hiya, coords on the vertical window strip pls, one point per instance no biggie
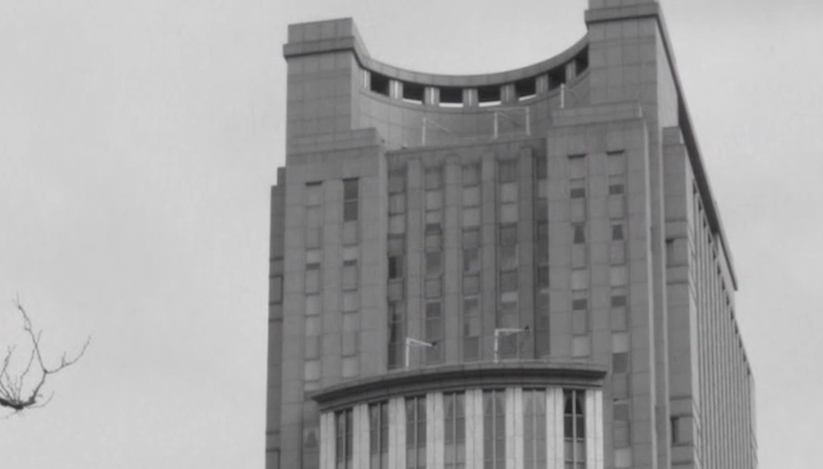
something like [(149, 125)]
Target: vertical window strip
[(416, 432), (455, 431), (351, 199), (379, 435), (344, 434), (574, 429), (494, 429)]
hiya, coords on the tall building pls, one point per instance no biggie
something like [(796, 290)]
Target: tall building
[(515, 270)]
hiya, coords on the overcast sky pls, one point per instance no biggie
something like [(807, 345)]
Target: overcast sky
[(139, 138)]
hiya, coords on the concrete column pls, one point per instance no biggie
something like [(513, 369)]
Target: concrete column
[(514, 435), (361, 436), (474, 428), (397, 433), (435, 430), (554, 428), (594, 429)]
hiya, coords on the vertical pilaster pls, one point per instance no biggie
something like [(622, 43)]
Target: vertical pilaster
[(397, 433), (474, 428), (554, 428), (452, 269), (435, 431)]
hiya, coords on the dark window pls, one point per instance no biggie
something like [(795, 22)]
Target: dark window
[(508, 235), (344, 435), (379, 84), (489, 94), (379, 435), (579, 234), (577, 193), (618, 301), (617, 232), (351, 202), (451, 95), (542, 168), (454, 409), (620, 363), (525, 88), (616, 189), (581, 62), (396, 267), (580, 304), (413, 92), (557, 77)]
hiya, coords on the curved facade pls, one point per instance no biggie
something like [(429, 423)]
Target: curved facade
[(514, 270)]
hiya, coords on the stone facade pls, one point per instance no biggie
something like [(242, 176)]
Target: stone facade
[(554, 214)]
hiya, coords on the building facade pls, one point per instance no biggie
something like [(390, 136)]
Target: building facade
[(516, 270)]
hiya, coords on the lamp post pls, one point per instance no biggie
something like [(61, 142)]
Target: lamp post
[(502, 332), (416, 343)]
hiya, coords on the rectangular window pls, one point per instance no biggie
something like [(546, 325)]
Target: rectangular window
[(617, 232), (434, 331), (454, 410), (379, 435), (534, 429), (434, 264), (494, 429), (507, 171), (312, 278), (471, 260), (344, 435), (396, 266), (415, 433), (471, 175), (397, 318), (433, 178), (351, 196), (579, 236), (574, 429), (471, 328), (350, 275)]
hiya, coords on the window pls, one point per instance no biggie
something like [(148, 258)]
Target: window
[(525, 88), (350, 275), (276, 289), (413, 92), (471, 260), (415, 433), (451, 96), (471, 238), (508, 171), (577, 193), (434, 331), (397, 318), (312, 278), (508, 234), (344, 435), (494, 429), (471, 175), (574, 429), (620, 362), (617, 232), (471, 328), (434, 264), (488, 95), (379, 435), (454, 408), (351, 195), (579, 233), (379, 84), (534, 429), (396, 266)]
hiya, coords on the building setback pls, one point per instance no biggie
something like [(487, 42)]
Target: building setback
[(516, 270)]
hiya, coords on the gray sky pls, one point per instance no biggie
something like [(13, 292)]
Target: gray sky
[(138, 140)]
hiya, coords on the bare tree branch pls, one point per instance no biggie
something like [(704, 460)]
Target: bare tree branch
[(16, 390)]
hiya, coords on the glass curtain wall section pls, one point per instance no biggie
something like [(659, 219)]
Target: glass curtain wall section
[(454, 406), (494, 429), (508, 314), (379, 435), (472, 255), (433, 263), (574, 429), (397, 268), (416, 432)]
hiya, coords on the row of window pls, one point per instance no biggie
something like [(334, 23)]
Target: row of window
[(455, 431), (487, 95)]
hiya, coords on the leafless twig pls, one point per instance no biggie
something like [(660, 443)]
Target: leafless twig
[(23, 391)]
